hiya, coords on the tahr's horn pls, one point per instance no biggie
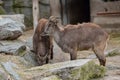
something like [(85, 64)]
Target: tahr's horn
[(54, 18)]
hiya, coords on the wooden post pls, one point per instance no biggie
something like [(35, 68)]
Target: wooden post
[(55, 8), (35, 13)]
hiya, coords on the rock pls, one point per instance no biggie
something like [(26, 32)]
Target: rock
[(4, 75), (17, 60), (10, 47), (11, 28), (113, 52), (20, 69), (2, 11), (1, 2), (53, 77), (30, 57), (15, 17), (9, 68), (24, 7), (21, 51), (83, 69), (18, 48), (8, 6)]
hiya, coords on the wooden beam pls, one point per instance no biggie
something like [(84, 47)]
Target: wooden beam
[(109, 13), (35, 13)]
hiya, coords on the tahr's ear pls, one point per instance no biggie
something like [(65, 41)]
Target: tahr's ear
[(60, 28)]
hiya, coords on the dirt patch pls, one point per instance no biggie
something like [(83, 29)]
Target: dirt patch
[(26, 35)]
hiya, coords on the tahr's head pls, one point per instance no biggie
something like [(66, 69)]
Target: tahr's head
[(50, 25)]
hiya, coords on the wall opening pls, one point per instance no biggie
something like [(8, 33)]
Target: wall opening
[(75, 11)]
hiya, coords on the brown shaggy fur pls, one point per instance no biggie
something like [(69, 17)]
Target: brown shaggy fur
[(42, 45)]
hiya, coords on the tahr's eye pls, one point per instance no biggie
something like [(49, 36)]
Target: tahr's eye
[(49, 25)]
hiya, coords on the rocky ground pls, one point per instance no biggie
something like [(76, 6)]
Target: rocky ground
[(113, 62), (17, 62)]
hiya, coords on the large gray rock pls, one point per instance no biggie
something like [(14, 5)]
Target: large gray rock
[(4, 75), (30, 57), (11, 65), (11, 28), (16, 17), (10, 47), (53, 77), (18, 48), (2, 11), (20, 69), (83, 69), (8, 66)]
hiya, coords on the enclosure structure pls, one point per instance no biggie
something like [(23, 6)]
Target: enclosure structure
[(101, 12), (71, 11), (107, 14)]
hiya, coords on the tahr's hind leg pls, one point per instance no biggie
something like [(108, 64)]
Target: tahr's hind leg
[(73, 54), (101, 57), (47, 60), (51, 51), (99, 51)]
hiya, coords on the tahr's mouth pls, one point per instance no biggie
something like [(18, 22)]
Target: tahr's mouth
[(44, 34)]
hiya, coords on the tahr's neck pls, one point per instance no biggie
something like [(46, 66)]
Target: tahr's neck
[(58, 31)]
